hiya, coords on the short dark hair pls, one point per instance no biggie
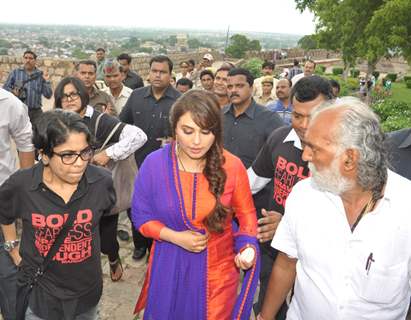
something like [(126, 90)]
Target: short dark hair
[(207, 72), (191, 61), (162, 59), (87, 63), (30, 52), (124, 56), (223, 68), (185, 82), (311, 61), (268, 64), (78, 84), (100, 49), (54, 127), (242, 72), (335, 84), (309, 88)]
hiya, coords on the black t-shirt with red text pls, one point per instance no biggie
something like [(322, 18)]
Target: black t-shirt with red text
[(74, 276), (282, 162)]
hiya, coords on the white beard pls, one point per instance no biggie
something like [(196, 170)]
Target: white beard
[(330, 179)]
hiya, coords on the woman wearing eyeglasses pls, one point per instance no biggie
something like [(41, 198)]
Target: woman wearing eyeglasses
[(61, 185), (71, 94)]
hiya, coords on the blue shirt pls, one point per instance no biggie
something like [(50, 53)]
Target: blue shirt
[(282, 111), (34, 88)]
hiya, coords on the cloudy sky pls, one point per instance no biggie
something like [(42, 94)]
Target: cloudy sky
[(279, 16)]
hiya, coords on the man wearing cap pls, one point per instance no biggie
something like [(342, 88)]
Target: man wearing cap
[(267, 69), (113, 76), (266, 92), (206, 63)]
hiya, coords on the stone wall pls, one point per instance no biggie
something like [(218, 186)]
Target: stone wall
[(295, 53), (60, 68)]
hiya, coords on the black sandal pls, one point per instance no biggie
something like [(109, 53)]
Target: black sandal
[(114, 266)]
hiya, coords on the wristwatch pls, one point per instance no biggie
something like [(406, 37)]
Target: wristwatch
[(10, 245)]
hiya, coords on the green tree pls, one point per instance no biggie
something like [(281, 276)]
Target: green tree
[(172, 40), (194, 43), (390, 28), (5, 44), (240, 44), (342, 25), (308, 42), (254, 66), (80, 54)]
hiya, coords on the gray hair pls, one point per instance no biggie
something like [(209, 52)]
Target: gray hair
[(359, 128)]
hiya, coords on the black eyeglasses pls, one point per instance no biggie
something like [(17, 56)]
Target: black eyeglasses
[(71, 96), (71, 157)]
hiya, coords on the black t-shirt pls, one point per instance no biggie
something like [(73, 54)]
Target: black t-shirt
[(282, 162), (74, 276), (105, 126)]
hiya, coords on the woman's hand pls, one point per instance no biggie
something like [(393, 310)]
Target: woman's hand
[(245, 261), (191, 241)]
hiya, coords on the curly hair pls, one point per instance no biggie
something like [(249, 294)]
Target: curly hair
[(205, 111)]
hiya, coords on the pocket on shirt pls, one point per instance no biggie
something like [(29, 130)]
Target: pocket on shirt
[(384, 284)]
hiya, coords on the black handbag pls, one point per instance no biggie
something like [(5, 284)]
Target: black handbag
[(24, 290)]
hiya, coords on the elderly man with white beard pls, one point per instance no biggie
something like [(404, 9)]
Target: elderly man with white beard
[(345, 240)]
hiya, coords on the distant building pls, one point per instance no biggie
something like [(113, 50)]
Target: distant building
[(182, 43)]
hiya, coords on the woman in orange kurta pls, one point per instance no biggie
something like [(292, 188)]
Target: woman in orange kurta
[(185, 198)]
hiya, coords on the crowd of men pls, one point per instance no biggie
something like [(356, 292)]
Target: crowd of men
[(339, 240)]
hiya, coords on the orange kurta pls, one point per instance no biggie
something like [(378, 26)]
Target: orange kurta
[(222, 274)]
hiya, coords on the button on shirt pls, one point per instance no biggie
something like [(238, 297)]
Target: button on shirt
[(34, 88), (245, 134), (341, 274), (151, 115)]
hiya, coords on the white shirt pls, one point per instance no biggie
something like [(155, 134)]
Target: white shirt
[(14, 124), (297, 78), (120, 101), (332, 281), (131, 139)]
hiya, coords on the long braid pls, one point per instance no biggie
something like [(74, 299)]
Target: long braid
[(216, 177)]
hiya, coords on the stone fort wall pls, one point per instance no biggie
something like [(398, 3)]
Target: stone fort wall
[(60, 68)]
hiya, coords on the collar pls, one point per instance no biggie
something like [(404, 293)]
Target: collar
[(406, 142), (91, 175), (168, 93), (293, 137), (249, 112), (89, 112)]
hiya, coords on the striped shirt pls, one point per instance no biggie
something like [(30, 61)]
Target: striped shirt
[(34, 88)]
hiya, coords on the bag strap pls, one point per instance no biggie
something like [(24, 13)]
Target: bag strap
[(110, 135), (32, 77), (97, 122)]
